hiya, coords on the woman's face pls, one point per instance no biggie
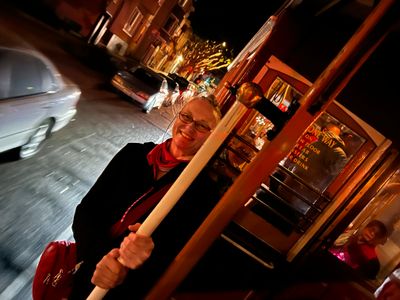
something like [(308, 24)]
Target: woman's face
[(186, 138)]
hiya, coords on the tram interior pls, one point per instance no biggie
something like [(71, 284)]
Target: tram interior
[(343, 172)]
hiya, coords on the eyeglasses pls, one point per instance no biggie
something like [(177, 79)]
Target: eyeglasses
[(199, 126)]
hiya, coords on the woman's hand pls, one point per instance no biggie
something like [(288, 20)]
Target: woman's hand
[(109, 271), (135, 249)]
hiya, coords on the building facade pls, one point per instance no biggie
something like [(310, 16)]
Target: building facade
[(150, 32)]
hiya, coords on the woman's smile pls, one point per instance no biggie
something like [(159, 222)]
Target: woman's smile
[(186, 136)]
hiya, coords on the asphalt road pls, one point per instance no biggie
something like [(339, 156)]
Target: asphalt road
[(38, 196)]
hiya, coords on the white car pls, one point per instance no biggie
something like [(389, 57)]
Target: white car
[(165, 97), (144, 85), (35, 99)]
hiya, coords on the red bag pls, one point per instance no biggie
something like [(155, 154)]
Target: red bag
[(54, 273), (57, 265)]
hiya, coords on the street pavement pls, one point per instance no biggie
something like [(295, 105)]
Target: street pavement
[(38, 196)]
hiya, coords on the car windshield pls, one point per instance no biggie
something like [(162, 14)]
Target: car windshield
[(150, 78), (183, 82), (171, 83)]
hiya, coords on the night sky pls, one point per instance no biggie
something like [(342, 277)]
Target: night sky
[(234, 22)]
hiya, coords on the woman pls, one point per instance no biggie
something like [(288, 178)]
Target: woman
[(143, 171)]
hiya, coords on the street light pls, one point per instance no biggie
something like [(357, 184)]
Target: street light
[(178, 61)]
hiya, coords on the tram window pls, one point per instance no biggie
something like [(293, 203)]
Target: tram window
[(384, 207), (254, 130), (282, 94), (318, 157), (322, 152)]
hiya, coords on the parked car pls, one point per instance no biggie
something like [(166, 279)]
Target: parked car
[(140, 83), (183, 82), (166, 96), (191, 90), (35, 99)]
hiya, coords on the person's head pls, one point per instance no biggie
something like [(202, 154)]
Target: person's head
[(333, 128), (194, 124), (375, 233)]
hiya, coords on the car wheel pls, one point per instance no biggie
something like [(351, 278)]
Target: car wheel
[(35, 142)]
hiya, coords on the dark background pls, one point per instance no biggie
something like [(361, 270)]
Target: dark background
[(230, 21)]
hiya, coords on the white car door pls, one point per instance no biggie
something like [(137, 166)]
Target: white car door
[(23, 103), (19, 118)]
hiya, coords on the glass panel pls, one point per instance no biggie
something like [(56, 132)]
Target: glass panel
[(282, 94), (5, 73), (316, 160), (292, 199), (133, 22), (371, 243), (48, 80), (171, 25), (25, 75), (322, 152), (255, 128)]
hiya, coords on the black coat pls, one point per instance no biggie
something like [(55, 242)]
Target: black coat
[(124, 180)]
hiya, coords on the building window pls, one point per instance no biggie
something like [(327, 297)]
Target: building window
[(133, 23), (171, 25)]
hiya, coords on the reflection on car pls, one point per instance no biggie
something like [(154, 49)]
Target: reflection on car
[(144, 85), (164, 97), (35, 99)]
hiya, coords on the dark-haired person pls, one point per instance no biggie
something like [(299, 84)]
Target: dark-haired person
[(359, 250), (137, 170)]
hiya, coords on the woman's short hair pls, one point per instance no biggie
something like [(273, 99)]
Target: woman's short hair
[(211, 100)]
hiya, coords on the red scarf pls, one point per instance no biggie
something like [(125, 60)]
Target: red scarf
[(161, 159)]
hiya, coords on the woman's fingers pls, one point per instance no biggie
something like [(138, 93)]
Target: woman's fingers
[(109, 272), (135, 248), (135, 227)]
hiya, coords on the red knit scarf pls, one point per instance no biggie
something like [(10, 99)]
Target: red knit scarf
[(161, 159)]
